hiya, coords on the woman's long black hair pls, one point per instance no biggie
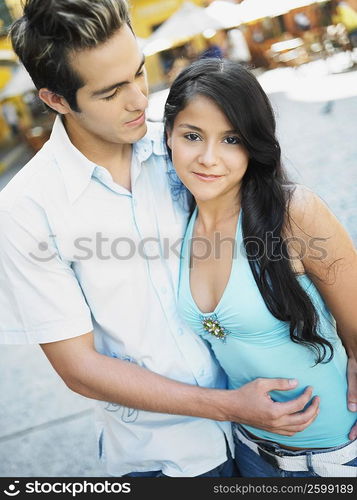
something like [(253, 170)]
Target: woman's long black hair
[(266, 190)]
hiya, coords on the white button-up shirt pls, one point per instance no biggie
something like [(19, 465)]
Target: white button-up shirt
[(80, 253)]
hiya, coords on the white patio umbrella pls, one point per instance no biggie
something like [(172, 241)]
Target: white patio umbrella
[(185, 23), (19, 84), (295, 4), (251, 10), (227, 13), (256, 9)]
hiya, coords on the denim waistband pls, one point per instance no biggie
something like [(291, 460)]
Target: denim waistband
[(276, 449)]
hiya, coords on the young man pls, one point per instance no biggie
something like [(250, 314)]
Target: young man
[(84, 265)]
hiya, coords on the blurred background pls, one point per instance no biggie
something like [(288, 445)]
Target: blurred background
[(304, 54)]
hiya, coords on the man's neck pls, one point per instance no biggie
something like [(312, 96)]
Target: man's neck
[(116, 158)]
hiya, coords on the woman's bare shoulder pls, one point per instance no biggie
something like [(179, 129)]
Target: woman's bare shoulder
[(308, 214), (318, 236)]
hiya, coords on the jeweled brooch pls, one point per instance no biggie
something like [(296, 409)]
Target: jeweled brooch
[(212, 326)]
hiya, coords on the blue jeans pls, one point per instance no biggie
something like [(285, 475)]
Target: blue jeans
[(227, 469), (253, 465)]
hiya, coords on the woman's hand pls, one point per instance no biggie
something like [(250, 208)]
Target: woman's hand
[(352, 392)]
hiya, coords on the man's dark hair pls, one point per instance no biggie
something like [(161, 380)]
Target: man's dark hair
[(51, 30)]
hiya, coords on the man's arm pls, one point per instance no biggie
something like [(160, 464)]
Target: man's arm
[(100, 377)]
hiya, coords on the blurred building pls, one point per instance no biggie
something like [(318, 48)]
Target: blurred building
[(14, 7), (261, 33), (21, 119), (266, 36), (147, 16), (8, 62)]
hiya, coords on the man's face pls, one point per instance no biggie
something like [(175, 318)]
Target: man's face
[(113, 100)]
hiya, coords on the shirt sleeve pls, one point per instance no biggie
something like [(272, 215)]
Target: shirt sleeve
[(40, 298)]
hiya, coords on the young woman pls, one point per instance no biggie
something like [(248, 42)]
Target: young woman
[(268, 275)]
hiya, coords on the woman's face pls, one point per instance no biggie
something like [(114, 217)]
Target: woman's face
[(206, 152)]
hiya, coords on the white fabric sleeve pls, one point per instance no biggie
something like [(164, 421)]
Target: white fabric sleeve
[(40, 298)]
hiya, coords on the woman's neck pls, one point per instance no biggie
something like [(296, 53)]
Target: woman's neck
[(215, 214)]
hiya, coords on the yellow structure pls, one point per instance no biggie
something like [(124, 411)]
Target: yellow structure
[(15, 8), (347, 16), (6, 72), (5, 77), (5, 68), (147, 15)]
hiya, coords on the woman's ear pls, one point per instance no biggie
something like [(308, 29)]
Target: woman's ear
[(169, 138)]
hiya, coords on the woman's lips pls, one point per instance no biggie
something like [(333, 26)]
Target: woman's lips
[(207, 177)]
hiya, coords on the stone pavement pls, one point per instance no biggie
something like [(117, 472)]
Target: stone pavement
[(317, 127), (15, 154), (45, 429)]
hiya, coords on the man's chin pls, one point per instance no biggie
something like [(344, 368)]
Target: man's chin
[(138, 134)]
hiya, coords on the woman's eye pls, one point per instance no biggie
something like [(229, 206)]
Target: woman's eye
[(232, 139), (192, 137)]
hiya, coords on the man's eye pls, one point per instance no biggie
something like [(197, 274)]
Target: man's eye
[(232, 139), (110, 97), (192, 137)]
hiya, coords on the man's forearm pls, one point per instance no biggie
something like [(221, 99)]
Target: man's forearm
[(104, 378), (127, 384)]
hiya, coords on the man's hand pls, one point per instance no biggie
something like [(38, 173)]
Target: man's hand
[(352, 392), (256, 408), (100, 377)]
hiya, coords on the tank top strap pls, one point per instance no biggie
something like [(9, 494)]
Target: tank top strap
[(239, 232), (185, 256)]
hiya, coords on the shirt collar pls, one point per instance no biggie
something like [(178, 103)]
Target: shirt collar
[(77, 170), (151, 143)]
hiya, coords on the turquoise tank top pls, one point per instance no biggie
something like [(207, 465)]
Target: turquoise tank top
[(249, 342)]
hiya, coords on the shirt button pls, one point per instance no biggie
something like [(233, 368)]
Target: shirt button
[(180, 331), (201, 373)]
